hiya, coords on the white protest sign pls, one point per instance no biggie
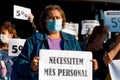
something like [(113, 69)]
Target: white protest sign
[(114, 69), (15, 46), (71, 28), (112, 18), (21, 12), (88, 26), (65, 65)]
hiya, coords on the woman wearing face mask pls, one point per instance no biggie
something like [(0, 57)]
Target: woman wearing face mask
[(7, 31), (51, 22)]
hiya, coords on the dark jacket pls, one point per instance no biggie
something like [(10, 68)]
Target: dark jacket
[(30, 50)]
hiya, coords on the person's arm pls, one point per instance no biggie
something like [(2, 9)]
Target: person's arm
[(107, 58), (31, 20), (23, 61)]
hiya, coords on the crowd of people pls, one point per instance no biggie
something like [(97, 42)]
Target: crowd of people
[(48, 35)]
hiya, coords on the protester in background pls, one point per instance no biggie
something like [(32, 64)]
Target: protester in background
[(113, 51), (51, 22), (7, 31), (95, 45)]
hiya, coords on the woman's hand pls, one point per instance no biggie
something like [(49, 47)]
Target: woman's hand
[(31, 17), (35, 63), (95, 64), (107, 58)]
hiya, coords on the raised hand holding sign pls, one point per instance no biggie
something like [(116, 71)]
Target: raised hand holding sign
[(21, 12)]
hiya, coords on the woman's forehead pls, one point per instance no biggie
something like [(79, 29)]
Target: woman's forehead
[(54, 12)]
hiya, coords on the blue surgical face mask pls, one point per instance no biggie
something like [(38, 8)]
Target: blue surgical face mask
[(54, 25)]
